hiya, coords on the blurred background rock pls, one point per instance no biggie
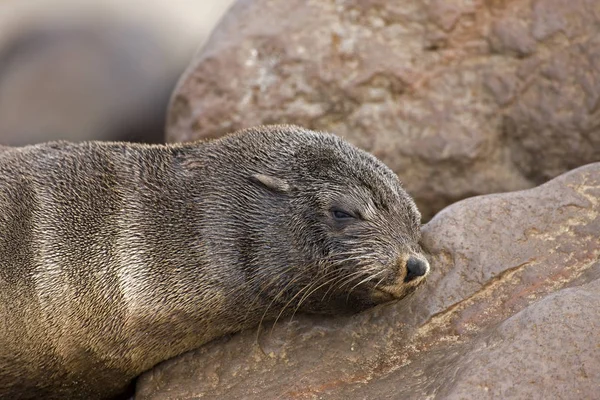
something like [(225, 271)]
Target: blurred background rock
[(95, 70)]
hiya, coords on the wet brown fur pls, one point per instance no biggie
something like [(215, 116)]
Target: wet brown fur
[(114, 256)]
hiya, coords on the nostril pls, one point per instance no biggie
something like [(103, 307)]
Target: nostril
[(415, 267)]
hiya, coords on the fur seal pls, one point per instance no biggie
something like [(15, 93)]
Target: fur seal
[(115, 256)]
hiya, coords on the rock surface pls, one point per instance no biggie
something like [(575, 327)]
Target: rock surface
[(511, 310), (459, 98)]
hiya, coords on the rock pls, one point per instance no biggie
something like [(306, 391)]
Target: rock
[(459, 98), (511, 310)]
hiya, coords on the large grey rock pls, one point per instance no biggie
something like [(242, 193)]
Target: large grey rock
[(459, 98), (511, 310)]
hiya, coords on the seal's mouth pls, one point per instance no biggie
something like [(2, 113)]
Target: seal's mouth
[(411, 274), (382, 296), (393, 292)]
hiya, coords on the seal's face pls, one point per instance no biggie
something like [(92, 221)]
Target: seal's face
[(355, 226), (371, 234), (368, 225)]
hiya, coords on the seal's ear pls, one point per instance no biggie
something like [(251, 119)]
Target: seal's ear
[(271, 182)]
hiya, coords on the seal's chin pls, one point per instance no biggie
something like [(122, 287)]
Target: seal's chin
[(381, 296), (389, 293), (395, 291), (370, 297)]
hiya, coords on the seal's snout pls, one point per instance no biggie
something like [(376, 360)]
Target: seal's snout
[(415, 268)]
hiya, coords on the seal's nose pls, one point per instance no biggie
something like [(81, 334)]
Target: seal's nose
[(415, 267)]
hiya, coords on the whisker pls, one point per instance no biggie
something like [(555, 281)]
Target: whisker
[(351, 277), (305, 288), (361, 282), (314, 290), (266, 287), (292, 281), (379, 282), (370, 278)]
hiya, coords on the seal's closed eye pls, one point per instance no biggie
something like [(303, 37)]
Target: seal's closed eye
[(340, 215)]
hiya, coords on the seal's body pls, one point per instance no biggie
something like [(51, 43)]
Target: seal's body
[(114, 256)]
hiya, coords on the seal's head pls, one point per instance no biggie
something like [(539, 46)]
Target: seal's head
[(337, 230)]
